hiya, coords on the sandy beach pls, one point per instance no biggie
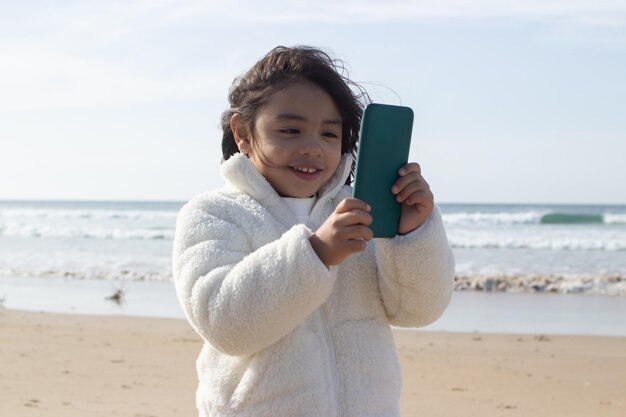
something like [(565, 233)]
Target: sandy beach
[(77, 365)]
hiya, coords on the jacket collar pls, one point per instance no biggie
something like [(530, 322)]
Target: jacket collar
[(240, 174)]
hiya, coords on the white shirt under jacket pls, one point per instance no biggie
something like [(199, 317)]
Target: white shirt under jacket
[(283, 334)]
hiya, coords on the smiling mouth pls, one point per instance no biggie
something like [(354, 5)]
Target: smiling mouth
[(305, 170), (306, 173)]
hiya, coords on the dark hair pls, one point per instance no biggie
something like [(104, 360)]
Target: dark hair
[(282, 67)]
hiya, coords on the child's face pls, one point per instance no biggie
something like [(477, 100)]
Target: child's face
[(297, 140)]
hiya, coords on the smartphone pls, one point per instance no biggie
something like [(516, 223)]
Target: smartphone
[(384, 141)]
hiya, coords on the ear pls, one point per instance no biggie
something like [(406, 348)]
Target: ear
[(241, 134)]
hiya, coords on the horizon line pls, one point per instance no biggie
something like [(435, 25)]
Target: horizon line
[(477, 203)]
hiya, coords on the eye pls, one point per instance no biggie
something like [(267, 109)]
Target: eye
[(330, 134), (290, 131)]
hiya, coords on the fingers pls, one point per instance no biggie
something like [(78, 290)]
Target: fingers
[(349, 204), (343, 234), (358, 232), (353, 211), (408, 173), (411, 187), (408, 186), (410, 167), (356, 245), (421, 197), (354, 217)]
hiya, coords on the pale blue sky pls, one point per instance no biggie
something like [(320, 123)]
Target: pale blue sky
[(514, 101)]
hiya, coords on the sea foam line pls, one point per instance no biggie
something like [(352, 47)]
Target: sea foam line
[(543, 243), (19, 229), (531, 217), (97, 214), (96, 274), (533, 283), (614, 284)]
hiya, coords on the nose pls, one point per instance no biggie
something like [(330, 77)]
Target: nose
[(311, 146)]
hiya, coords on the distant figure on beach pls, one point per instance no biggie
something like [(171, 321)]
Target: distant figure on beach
[(277, 270)]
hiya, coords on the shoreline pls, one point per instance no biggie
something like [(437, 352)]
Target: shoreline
[(469, 311), (76, 365)]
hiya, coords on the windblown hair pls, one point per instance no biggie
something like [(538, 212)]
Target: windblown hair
[(283, 67)]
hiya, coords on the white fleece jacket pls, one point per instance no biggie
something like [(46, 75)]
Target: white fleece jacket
[(284, 335)]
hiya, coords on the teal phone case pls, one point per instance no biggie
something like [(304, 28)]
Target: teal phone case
[(384, 142)]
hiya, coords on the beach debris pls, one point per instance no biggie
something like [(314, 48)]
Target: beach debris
[(538, 283), (506, 406), (32, 402)]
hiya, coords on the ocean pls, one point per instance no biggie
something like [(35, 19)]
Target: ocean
[(498, 247), (539, 248), (520, 268)]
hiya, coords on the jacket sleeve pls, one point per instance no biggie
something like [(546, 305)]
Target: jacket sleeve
[(242, 301), (416, 274)]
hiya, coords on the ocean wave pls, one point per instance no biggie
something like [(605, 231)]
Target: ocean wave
[(86, 274), (615, 218), (76, 214), (569, 218), (492, 219), (555, 243), (511, 283), (21, 229), (531, 217), (603, 285)]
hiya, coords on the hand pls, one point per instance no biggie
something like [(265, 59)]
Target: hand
[(412, 190), (345, 232)]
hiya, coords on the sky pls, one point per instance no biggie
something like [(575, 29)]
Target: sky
[(514, 101)]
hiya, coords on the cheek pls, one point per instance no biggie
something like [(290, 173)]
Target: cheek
[(270, 152), (334, 157), (334, 150), (280, 154)]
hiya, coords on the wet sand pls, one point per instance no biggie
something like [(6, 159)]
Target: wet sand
[(469, 311), (78, 365)]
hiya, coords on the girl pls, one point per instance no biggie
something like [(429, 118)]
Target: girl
[(278, 272)]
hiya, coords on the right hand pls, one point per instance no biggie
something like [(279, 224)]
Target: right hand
[(344, 232)]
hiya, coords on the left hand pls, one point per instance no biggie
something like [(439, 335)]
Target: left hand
[(412, 190)]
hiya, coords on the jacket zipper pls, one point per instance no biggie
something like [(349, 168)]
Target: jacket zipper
[(265, 181), (329, 339), (333, 360), (321, 198)]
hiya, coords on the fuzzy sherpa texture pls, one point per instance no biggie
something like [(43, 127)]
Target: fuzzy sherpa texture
[(285, 335)]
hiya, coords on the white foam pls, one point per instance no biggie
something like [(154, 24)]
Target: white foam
[(529, 217), (88, 274), (490, 219), (537, 243), (44, 230), (70, 214), (539, 237), (614, 218)]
